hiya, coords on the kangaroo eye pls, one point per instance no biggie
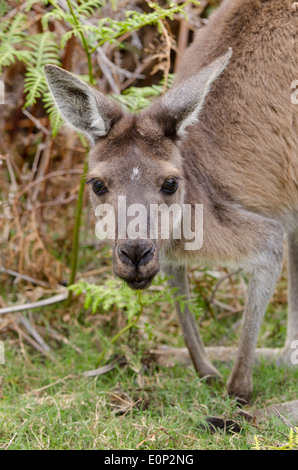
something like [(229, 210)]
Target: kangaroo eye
[(99, 188), (169, 186)]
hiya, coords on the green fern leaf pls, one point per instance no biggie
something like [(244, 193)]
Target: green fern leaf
[(135, 99), (9, 55), (12, 33), (44, 50), (55, 118), (88, 7), (35, 85), (30, 3), (56, 14)]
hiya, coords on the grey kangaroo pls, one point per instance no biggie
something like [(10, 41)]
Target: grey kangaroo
[(224, 136)]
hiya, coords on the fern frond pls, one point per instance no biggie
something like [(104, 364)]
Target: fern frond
[(75, 18), (3, 8), (13, 31), (35, 85), (113, 292), (81, 11), (76, 31), (9, 55), (110, 29), (30, 3), (88, 7), (257, 444), (57, 13), (44, 50), (291, 442), (135, 99), (55, 118), (12, 34)]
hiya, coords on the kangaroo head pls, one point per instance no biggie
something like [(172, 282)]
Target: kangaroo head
[(135, 164)]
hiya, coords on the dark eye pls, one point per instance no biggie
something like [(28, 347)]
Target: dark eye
[(99, 188), (169, 186)]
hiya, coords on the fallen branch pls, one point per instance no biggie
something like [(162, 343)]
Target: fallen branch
[(293, 408), (35, 334), (32, 342), (99, 371), (168, 356), (41, 303), (24, 277), (37, 122)]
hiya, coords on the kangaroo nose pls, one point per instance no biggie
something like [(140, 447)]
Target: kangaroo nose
[(136, 254)]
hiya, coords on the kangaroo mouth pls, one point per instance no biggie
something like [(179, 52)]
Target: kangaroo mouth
[(139, 284)]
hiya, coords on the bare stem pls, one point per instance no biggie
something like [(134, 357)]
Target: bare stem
[(84, 43), (76, 233), (126, 328)]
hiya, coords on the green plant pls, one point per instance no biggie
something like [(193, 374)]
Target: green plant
[(115, 293), (35, 51), (292, 443), (39, 49), (136, 98), (76, 232)]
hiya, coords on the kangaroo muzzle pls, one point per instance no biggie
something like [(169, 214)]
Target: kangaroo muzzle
[(136, 262)]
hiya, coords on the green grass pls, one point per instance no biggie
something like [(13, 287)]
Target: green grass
[(48, 403), (162, 408)]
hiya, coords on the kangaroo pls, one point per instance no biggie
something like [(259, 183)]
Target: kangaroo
[(225, 136)]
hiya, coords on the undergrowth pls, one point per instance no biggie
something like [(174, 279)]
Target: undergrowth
[(37, 50)]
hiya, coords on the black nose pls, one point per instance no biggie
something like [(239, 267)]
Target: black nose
[(136, 254)]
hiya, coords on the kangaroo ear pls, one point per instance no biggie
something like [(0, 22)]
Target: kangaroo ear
[(84, 108), (181, 105)]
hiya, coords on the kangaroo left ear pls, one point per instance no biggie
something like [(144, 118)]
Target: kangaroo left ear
[(181, 105), (84, 108)]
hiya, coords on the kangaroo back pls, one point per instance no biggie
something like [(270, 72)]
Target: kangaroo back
[(247, 135)]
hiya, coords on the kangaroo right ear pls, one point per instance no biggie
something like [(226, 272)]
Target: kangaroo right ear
[(84, 108), (181, 105)]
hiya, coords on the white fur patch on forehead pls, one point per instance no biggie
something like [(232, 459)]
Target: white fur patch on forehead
[(135, 173)]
